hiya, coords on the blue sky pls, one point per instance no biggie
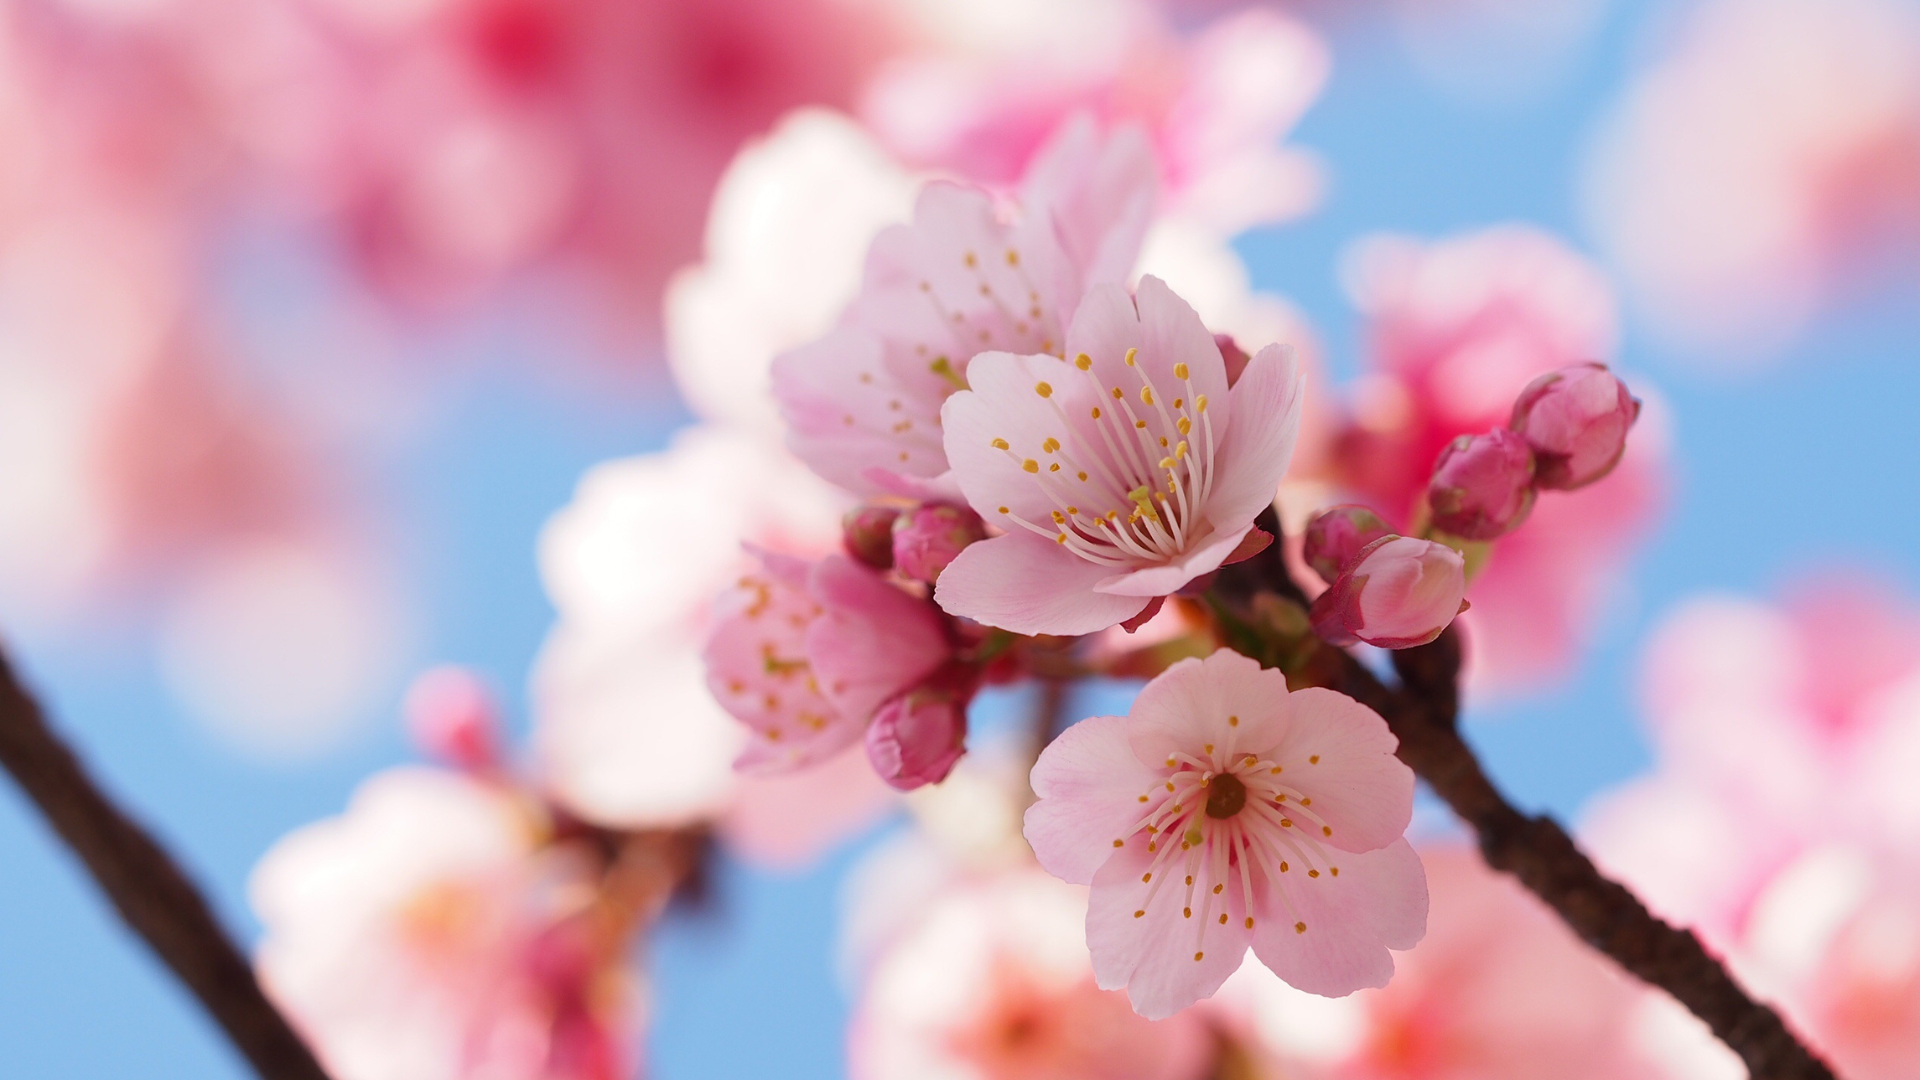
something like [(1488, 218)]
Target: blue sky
[(1796, 469)]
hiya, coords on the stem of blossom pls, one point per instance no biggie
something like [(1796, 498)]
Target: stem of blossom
[(148, 889), (1423, 713)]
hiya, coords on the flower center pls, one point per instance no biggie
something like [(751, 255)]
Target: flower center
[(1226, 795), (1128, 484)]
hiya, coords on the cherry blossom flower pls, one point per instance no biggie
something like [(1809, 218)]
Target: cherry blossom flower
[(864, 401), (625, 731), (1288, 809), (1120, 475), (805, 654), (427, 934), (992, 981), (1456, 329), (1761, 167)]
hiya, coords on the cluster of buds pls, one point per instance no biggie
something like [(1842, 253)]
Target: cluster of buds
[(1569, 429), (918, 541)]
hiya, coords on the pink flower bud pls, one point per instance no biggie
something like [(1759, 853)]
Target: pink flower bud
[(1482, 486), (451, 715), (1397, 593), (928, 538), (867, 534), (915, 738), (1576, 420), (1337, 534), (1236, 358)]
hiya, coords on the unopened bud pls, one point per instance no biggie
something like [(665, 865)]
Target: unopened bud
[(1336, 535), (1236, 357), (867, 534), (930, 536), (1482, 485), (451, 715), (1399, 592), (916, 738), (1576, 421)]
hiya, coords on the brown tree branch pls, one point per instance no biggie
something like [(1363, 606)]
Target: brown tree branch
[(1423, 712), (148, 889)]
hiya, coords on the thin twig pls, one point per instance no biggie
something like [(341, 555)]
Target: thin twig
[(151, 893), (1423, 712)]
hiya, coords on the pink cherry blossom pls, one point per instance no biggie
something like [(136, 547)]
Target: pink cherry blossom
[(1288, 809), (427, 934), (991, 981), (1398, 592), (916, 738), (864, 402), (929, 538), (805, 654), (1121, 475), (1456, 329), (1337, 535), (1761, 167), (626, 732)]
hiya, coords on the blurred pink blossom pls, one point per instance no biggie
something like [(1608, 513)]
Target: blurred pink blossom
[(992, 981), (995, 80), (1761, 166), (454, 717), (1498, 989), (1218, 756), (1456, 329), (430, 933)]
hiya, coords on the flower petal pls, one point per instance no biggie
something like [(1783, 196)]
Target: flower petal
[(1377, 902), (847, 413), (1153, 955), (1258, 444), (1167, 334), (997, 426), (1031, 585), (1362, 791), (1089, 783), (872, 641), (1186, 709), (1167, 579)]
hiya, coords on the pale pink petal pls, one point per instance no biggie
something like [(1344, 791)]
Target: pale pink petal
[(1259, 444), (872, 641), (758, 670), (1377, 902), (1187, 709), (1165, 331), (1003, 409), (1358, 787), (1097, 195), (1169, 578), (1088, 785), (1160, 956), (1031, 585), (847, 414)]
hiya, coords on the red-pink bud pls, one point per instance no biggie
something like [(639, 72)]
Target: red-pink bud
[(1397, 593), (1336, 535), (867, 534), (915, 738), (1576, 420), (1236, 358), (928, 538), (1482, 485), (451, 715)]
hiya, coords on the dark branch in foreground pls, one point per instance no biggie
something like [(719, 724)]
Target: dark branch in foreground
[(1423, 712), (148, 889)]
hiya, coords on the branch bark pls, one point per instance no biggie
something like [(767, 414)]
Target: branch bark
[(149, 890), (1423, 711)]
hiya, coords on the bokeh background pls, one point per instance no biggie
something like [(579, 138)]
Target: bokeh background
[(405, 429)]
